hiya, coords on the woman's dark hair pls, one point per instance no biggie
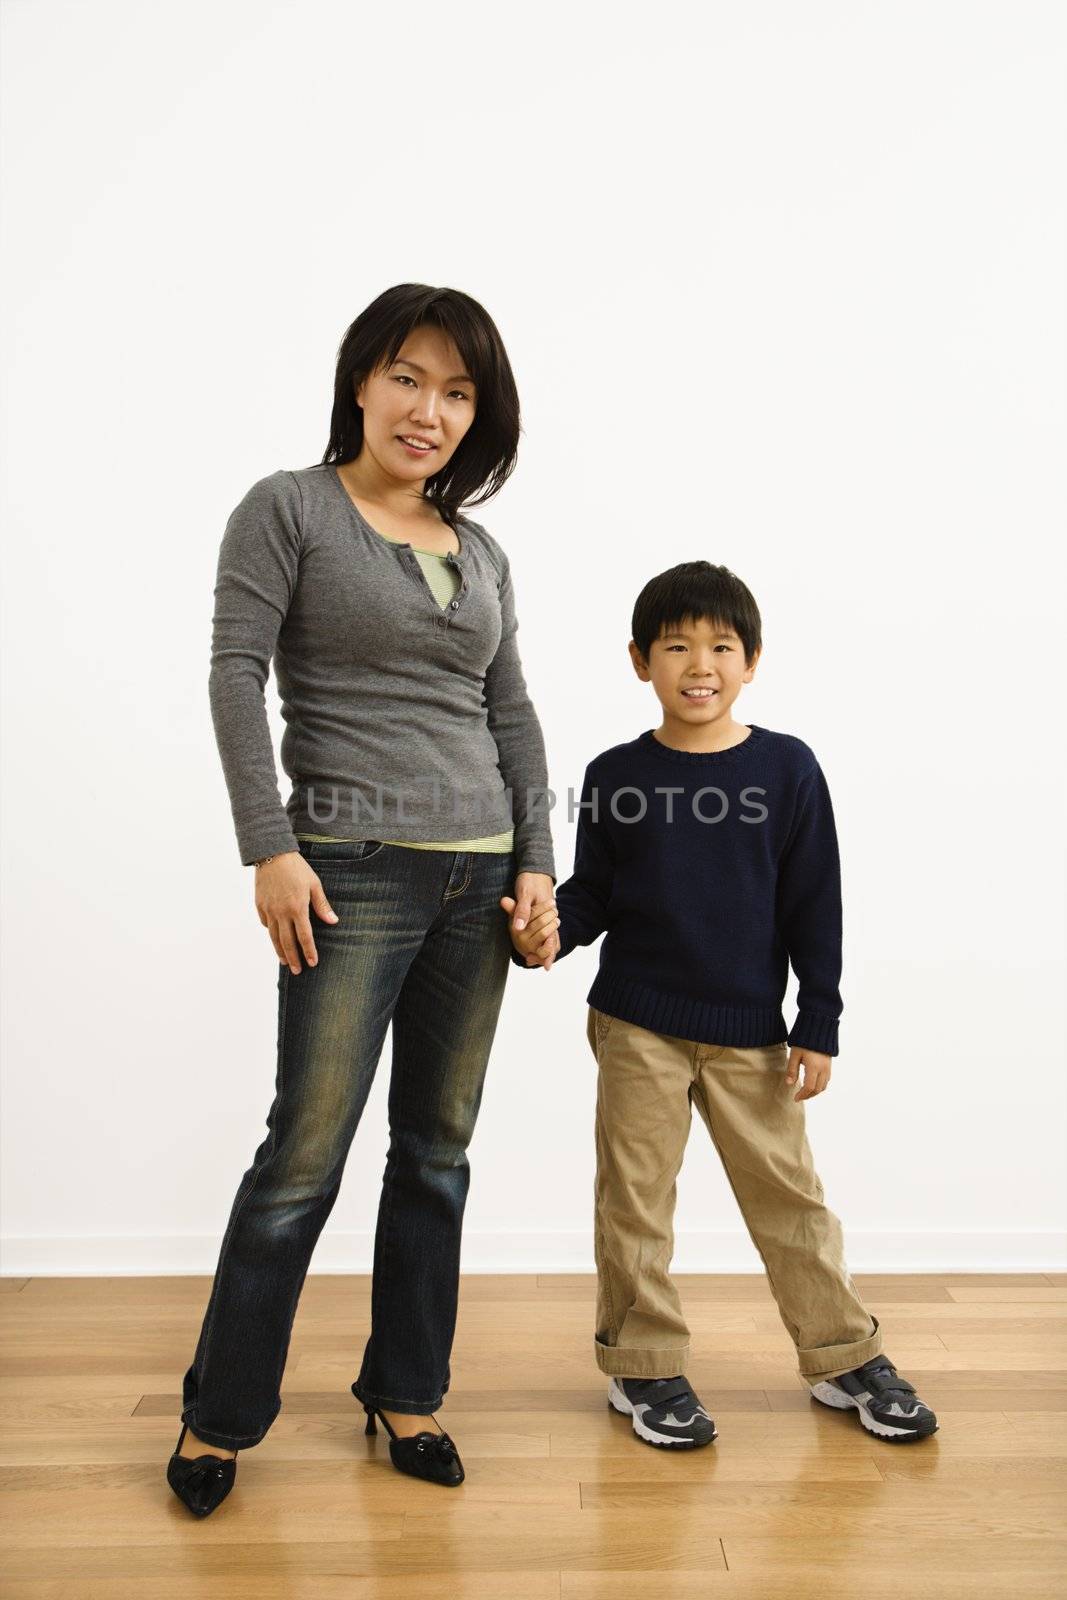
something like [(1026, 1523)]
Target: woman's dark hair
[(486, 455), (694, 590)]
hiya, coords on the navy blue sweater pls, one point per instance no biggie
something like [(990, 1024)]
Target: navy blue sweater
[(709, 874)]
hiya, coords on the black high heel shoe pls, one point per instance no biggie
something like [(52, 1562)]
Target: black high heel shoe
[(201, 1482), (428, 1455)]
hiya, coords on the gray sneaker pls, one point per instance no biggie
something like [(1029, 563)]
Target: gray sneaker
[(664, 1411), (886, 1403)]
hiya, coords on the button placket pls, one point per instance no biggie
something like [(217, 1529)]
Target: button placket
[(441, 617), (415, 568), (453, 605)]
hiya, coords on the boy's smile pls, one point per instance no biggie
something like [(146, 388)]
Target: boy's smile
[(697, 669)]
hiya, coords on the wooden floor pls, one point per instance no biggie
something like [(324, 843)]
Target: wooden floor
[(791, 1501)]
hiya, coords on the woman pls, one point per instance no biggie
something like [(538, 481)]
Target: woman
[(419, 801)]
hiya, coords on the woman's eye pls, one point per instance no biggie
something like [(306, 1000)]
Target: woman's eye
[(405, 378)]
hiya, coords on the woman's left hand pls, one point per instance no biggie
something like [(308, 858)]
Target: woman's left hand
[(531, 890)]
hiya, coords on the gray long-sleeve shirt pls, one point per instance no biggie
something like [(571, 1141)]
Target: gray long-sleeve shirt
[(405, 719)]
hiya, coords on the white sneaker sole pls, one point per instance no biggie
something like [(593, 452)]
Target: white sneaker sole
[(840, 1401), (665, 1441)]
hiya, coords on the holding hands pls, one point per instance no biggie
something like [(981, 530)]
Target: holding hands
[(534, 919)]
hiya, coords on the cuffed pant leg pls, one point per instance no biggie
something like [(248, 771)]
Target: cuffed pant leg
[(759, 1131)]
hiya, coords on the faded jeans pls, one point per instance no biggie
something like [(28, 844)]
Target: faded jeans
[(421, 942)]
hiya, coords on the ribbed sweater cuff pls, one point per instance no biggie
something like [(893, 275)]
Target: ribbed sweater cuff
[(814, 1031), (278, 843), (533, 861)]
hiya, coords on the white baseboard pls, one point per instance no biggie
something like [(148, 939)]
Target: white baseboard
[(730, 1250)]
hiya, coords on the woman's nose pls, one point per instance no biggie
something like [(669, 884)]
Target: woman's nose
[(427, 408)]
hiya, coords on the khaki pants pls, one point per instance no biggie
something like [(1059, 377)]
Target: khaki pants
[(647, 1085)]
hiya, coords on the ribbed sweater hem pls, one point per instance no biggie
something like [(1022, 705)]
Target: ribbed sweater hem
[(683, 1016)]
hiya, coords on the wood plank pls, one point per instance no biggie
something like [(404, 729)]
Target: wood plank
[(991, 1294), (1031, 1508), (932, 1560), (287, 1585), (815, 1582)]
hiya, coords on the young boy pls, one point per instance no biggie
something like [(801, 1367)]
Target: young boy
[(707, 852)]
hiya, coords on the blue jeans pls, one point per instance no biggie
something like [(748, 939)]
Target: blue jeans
[(421, 942)]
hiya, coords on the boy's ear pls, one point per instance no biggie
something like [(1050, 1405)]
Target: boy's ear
[(639, 662)]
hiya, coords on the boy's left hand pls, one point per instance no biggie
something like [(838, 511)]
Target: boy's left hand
[(816, 1071)]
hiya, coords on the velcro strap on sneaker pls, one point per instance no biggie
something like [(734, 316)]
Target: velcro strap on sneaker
[(663, 1394), (884, 1383)]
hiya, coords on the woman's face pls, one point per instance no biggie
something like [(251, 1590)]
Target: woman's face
[(426, 395)]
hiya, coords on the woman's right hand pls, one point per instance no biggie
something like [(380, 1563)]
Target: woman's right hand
[(284, 888)]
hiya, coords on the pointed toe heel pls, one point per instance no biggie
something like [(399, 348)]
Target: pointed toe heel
[(432, 1456), (200, 1482)]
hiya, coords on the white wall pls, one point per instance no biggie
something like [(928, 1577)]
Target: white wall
[(783, 288)]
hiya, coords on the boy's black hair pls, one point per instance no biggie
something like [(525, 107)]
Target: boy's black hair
[(487, 452), (691, 591)]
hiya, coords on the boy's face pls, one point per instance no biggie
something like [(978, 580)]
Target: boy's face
[(694, 656)]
